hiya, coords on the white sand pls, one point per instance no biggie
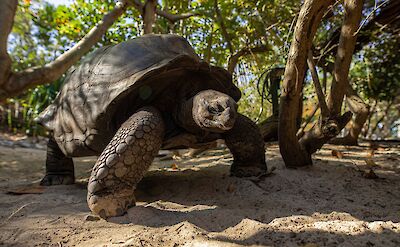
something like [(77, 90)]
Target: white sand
[(198, 204)]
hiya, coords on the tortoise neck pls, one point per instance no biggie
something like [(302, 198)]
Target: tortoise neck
[(184, 117)]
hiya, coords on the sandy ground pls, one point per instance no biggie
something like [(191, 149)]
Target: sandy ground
[(194, 202)]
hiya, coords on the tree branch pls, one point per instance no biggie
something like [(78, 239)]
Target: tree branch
[(388, 18), (361, 112), (344, 55), (234, 59), (170, 17), (7, 13), (300, 132), (149, 16), (53, 70), (317, 85), (222, 25), (308, 21)]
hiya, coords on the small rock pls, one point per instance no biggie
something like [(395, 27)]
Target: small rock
[(91, 217)]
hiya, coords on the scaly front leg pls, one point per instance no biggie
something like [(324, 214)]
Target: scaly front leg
[(246, 144), (124, 162)]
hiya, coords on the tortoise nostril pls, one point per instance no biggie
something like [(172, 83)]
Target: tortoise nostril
[(217, 109), (220, 108)]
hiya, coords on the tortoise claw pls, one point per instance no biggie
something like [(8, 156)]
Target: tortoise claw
[(52, 179)]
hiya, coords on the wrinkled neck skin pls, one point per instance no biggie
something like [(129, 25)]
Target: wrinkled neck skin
[(184, 117)]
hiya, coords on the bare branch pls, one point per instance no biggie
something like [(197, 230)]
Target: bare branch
[(388, 17), (170, 17), (369, 15), (234, 59), (222, 25), (53, 70), (317, 85), (300, 132), (208, 53)]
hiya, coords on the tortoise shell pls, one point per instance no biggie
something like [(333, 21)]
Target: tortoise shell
[(114, 81)]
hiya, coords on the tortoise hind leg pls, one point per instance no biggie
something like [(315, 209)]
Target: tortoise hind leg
[(246, 144), (59, 168), (124, 162)]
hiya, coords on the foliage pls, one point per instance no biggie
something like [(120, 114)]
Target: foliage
[(377, 69), (43, 31)]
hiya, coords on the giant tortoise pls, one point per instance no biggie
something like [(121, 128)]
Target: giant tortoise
[(125, 102)]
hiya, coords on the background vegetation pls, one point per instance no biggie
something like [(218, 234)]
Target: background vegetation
[(261, 31)]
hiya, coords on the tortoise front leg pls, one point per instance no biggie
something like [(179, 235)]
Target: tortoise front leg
[(59, 168), (124, 162), (246, 144)]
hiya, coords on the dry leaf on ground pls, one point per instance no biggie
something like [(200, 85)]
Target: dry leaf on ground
[(337, 154), (26, 189)]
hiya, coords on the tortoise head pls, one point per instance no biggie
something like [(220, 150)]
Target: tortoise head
[(214, 111)]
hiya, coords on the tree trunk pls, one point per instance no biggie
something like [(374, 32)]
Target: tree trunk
[(7, 12), (361, 112), (149, 16), (298, 152), (309, 18), (347, 42)]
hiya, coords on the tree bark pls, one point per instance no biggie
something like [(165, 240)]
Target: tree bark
[(149, 16), (19, 81), (309, 18), (322, 133), (300, 132), (7, 13), (170, 17), (347, 42), (361, 112), (298, 153), (317, 85)]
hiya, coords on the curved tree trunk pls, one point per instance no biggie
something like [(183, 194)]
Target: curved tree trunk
[(361, 113), (7, 12), (309, 18), (296, 152)]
